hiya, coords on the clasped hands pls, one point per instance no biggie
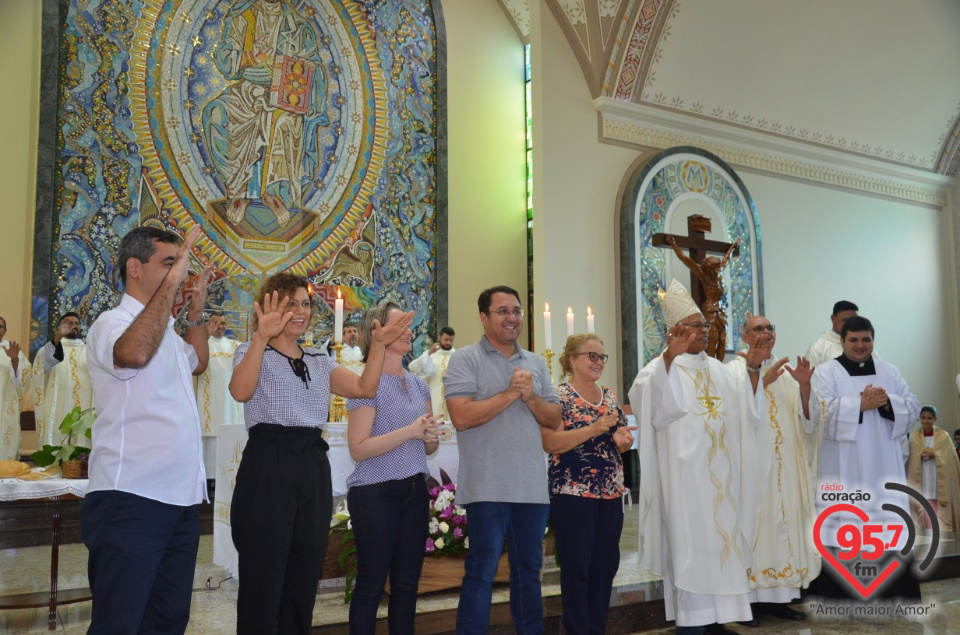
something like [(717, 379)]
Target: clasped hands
[(873, 397), (522, 383), (426, 427)]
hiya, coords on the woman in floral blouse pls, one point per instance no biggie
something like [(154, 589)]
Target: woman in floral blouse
[(586, 485)]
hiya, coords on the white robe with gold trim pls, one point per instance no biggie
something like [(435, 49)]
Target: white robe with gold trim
[(432, 368), (11, 403), (697, 504), (59, 387)]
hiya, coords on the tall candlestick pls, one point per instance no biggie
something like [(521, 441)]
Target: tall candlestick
[(589, 320), (547, 332), (569, 321), (338, 318)]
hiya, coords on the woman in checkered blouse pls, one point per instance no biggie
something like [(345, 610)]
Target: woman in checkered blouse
[(282, 504), (389, 437)]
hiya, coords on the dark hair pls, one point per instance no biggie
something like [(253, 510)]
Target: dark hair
[(856, 324), (844, 305), (214, 314), (448, 331), (286, 285), (4, 321), (931, 409), (379, 313), (69, 314), (139, 244), (483, 302)]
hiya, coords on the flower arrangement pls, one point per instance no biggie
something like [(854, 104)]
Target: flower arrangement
[(448, 522)]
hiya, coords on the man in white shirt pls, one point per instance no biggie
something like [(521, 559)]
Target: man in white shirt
[(432, 366), (214, 401), (139, 518), (828, 346), (61, 381)]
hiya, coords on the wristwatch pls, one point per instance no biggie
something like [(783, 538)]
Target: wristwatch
[(200, 322)]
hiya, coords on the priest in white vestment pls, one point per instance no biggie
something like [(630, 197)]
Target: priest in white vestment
[(431, 366), (869, 409), (785, 558), (214, 402), (697, 423), (61, 381), (828, 346), (14, 370), (351, 357)]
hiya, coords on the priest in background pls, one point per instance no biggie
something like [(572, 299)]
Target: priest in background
[(785, 559), (351, 357), (869, 410), (214, 401), (14, 371), (432, 366), (828, 346), (697, 420), (60, 380)]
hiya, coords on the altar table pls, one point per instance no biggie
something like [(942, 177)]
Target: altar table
[(52, 490)]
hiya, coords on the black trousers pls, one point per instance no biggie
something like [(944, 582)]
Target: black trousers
[(280, 520), (142, 555), (390, 522), (588, 548)]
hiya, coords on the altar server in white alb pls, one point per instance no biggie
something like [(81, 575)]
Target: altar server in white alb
[(14, 371), (828, 345), (785, 558), (697, 423), (869, 410), (214, 402), (61, 381), (432, 366)]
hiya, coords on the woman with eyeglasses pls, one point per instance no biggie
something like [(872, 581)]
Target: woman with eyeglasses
[(282, 503), (586, 485), (389, 437)]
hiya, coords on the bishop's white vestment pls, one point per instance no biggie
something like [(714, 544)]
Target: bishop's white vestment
[(214, 401), (697, 503), (826, 347), (861, 452), (11, 403), (785, 558), (59, 387), (432, 368)]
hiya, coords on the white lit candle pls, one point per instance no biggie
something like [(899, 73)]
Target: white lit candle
[(589, 320), (338, 318), (547, 332), (569, 321)]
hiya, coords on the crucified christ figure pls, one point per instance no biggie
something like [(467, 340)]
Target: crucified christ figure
[(710, 275)]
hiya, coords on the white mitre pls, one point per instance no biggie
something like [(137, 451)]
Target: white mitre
[(676, 303)]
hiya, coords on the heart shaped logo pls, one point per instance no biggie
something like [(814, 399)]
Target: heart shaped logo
[(864, 591)]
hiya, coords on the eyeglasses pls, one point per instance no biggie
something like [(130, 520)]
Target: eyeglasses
[(293, 304), (769, 328), (595, 357), (695, 325), (505, 312)]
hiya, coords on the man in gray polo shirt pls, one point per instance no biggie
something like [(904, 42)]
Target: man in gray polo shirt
[(499, 396)]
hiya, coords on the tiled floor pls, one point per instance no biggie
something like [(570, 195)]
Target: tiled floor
[(214, 598)]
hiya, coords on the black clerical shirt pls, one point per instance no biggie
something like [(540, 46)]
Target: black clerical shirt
[(861, 369)]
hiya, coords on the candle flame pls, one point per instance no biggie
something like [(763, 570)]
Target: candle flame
[(338, 293), (569, 310), (589, 310), (546, 307)]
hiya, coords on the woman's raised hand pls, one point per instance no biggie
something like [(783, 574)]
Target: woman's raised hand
[(271, 319)]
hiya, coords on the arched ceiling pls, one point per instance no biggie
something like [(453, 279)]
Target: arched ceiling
[(878, 79)]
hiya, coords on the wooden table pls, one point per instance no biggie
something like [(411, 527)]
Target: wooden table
[(53, 491)]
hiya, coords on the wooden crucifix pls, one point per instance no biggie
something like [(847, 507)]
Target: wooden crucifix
[(706, 274)]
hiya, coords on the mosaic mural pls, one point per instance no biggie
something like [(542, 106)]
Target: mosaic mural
[(654, 192), (300, 135)]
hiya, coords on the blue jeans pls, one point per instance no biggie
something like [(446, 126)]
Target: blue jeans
[(522, 526), (390, 527)]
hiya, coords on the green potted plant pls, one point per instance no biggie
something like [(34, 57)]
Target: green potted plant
[(72, 457)]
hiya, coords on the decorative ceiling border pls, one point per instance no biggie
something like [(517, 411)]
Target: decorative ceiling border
[(642, 125)]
